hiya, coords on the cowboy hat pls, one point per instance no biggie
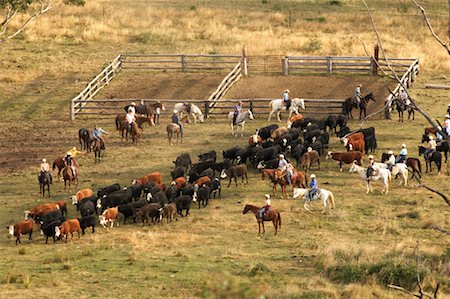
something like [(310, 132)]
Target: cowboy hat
[(133, 104), (69, 153), (267, 196), (390, 152), (371, 157), (360, 85), (287, 90), (313, 176), (431, 137), (44, 160), (281, 156), (446, 116), (403, 145), (74, 148), (175, 111)]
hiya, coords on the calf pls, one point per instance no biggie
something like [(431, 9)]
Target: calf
[(48, 230), (310, 158), (183, 202), (80, 195), (110, 215), (169, 212), (235, 172), (178, 172), (231, 153), (21, 228), (68, 227), (183, 160), (179, 182), (347, 157), (150, 211), (108, 190), (201, 181), (202, 196), (88, 221), (211, 155), (266, 132)]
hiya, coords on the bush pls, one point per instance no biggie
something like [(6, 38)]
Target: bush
[(312, 45), (335, 2), (347, 273)]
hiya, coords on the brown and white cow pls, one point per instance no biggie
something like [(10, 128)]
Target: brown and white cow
[(151, 177), (202, 180), (41, 210), (68, 227), (110, 215), (84, 193), (179, 182), (21, 228)]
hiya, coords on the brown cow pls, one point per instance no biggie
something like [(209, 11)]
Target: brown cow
[(62, 206), (357, 145), (234, 172), (202, 180), (41, 210), (295, 118), (254, 139), (151, 177), (21, 228), (110, 215), (352, 137), (68, 226), (179, 182), (169, 211), (80, 195), (279, 132), (347, 158), (309, 158)]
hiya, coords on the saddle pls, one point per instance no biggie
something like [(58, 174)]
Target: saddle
[(316, 194)]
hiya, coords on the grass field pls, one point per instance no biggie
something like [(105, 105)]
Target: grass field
[(364, 244)]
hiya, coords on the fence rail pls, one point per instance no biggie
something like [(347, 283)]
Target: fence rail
[(225, 85), (408, 77)]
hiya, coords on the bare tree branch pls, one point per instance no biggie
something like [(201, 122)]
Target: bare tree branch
[(431, 28), (439, 229), (447, 201)]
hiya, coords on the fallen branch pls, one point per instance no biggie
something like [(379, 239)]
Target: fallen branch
[(437, 86), (439, 229), (447, 201)]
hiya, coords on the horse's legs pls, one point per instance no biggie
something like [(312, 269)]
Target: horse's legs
[(262, 223), (275, 224), (232, 129), (270, 115), (259, 225), (367, 187), (278, 115)]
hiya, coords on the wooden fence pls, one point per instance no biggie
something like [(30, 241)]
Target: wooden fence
[(225, 85), (408, 77), (108, 107)]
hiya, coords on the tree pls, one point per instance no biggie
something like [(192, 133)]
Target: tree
[(12, 9)]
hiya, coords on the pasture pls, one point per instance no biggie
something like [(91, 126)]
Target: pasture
[(367, 242)]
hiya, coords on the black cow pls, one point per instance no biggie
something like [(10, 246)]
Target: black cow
[(86, 207), (150, 211), (243, 154), (343, 131), (48, 229), (331, 122), (231, 153), (172, 192), (367, 132), (183, 202), (178, 172), (266, 132), (303, 123), (310, 134), (267, 144), (88, 221), (316, 145), (151, 187), (136, 191), (108, 190), (128, 211), (115, 199), (324, 138), (215, 187), (370, 144), (160, 197), (267, 154), (207, 172), (341, 121), (284, 141), (297, 152), (203, 195), (183, 160), (271, 164), (202, 166), (211, 155), (187, 190), (50, 216), (294, 133)]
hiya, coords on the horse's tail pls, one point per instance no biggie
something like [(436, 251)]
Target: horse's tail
[(117, 122), (389, 179), (332, 199), (271, 105), (279, 219), (54, 165)]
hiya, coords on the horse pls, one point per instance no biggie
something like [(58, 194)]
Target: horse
[(97, 149), (277, 105), (59, 163), (69, 177), (85, 137), (441, 146), (138, 119), (436, 156), (135, 133), (401, 106), (240, 121), (324, 195), (348, 105), (44, 180), (191, 109), (276, 178), (414, 163), (151, 110), (173, 129), (273, 215), (363, 104), (381, 173)]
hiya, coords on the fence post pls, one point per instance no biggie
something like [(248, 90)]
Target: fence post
[(374, 60), (206, 109), (183, 63), (72, 110), (286, 66), (329, 65), (244, 62)]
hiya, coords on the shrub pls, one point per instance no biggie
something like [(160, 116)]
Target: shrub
[(335, 2), (312, 45), (347, 273)]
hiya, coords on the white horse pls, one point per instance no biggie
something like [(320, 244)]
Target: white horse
[(277, 106), (398, 168), (240, 121), (324, 195), (194, 111), (380, 173)]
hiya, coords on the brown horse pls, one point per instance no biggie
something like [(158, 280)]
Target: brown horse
[(44, 180), (135, 131), (138, 119), (59, 162), (174, 129), (273, 215), (152, 110), (69, 177), (277, 177), (97, 149)]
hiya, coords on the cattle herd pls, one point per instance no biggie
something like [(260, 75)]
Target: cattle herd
[(304, 139)]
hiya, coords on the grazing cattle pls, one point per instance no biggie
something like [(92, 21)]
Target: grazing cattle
[(115, 199), (81, 194), (211, 155), (200, 167), (231, 153), (215, 187), (183, 160), (88, 221), (203, 195), (267, 144), (278, 132), (370, 144), (87, 207), (48, 229), (178, 172), (243, 154), (331, 122), (108, 190), (343, 131), (271, 164), (284, 141), (267, 154), (159, 197), (151, 211), (266, 132), (188, 190), (315, 145), (357, 145), (68, 227), (21, 228), (183, 203), (202, 180), (309, 135), (136, 191), (310, 158), (128, 211), (341, 121), (110, 215), (235, 172), (179, 182), (367, 132), (207, 172), (172, 192), (347, 157), (92, 198), (169, 212), (40, 210)]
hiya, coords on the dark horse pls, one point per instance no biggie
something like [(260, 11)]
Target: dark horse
[(273, 215), (363, 104), (85, 138), (68, 176), (139, 120), (152, 110), (401, 106), (44, 180), (441, 146), (59, 162), (435, 156), (97, 149), (348, 106)]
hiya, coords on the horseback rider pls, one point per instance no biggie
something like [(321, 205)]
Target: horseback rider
[(358, 94), (75, 152), (97, 134), (313, 186), (132, 106), (285, 167), (265, 210), (447, 122), (391, 161), (70, 162), (370, 169), (176, 120), (45, 167), (286, 99), (401, 158), (431, 147), (439, 137), (237, 109), (403, 96), (130, 117)]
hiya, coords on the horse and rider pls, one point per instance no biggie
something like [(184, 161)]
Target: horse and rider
[(97, 134), (45, 168)]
